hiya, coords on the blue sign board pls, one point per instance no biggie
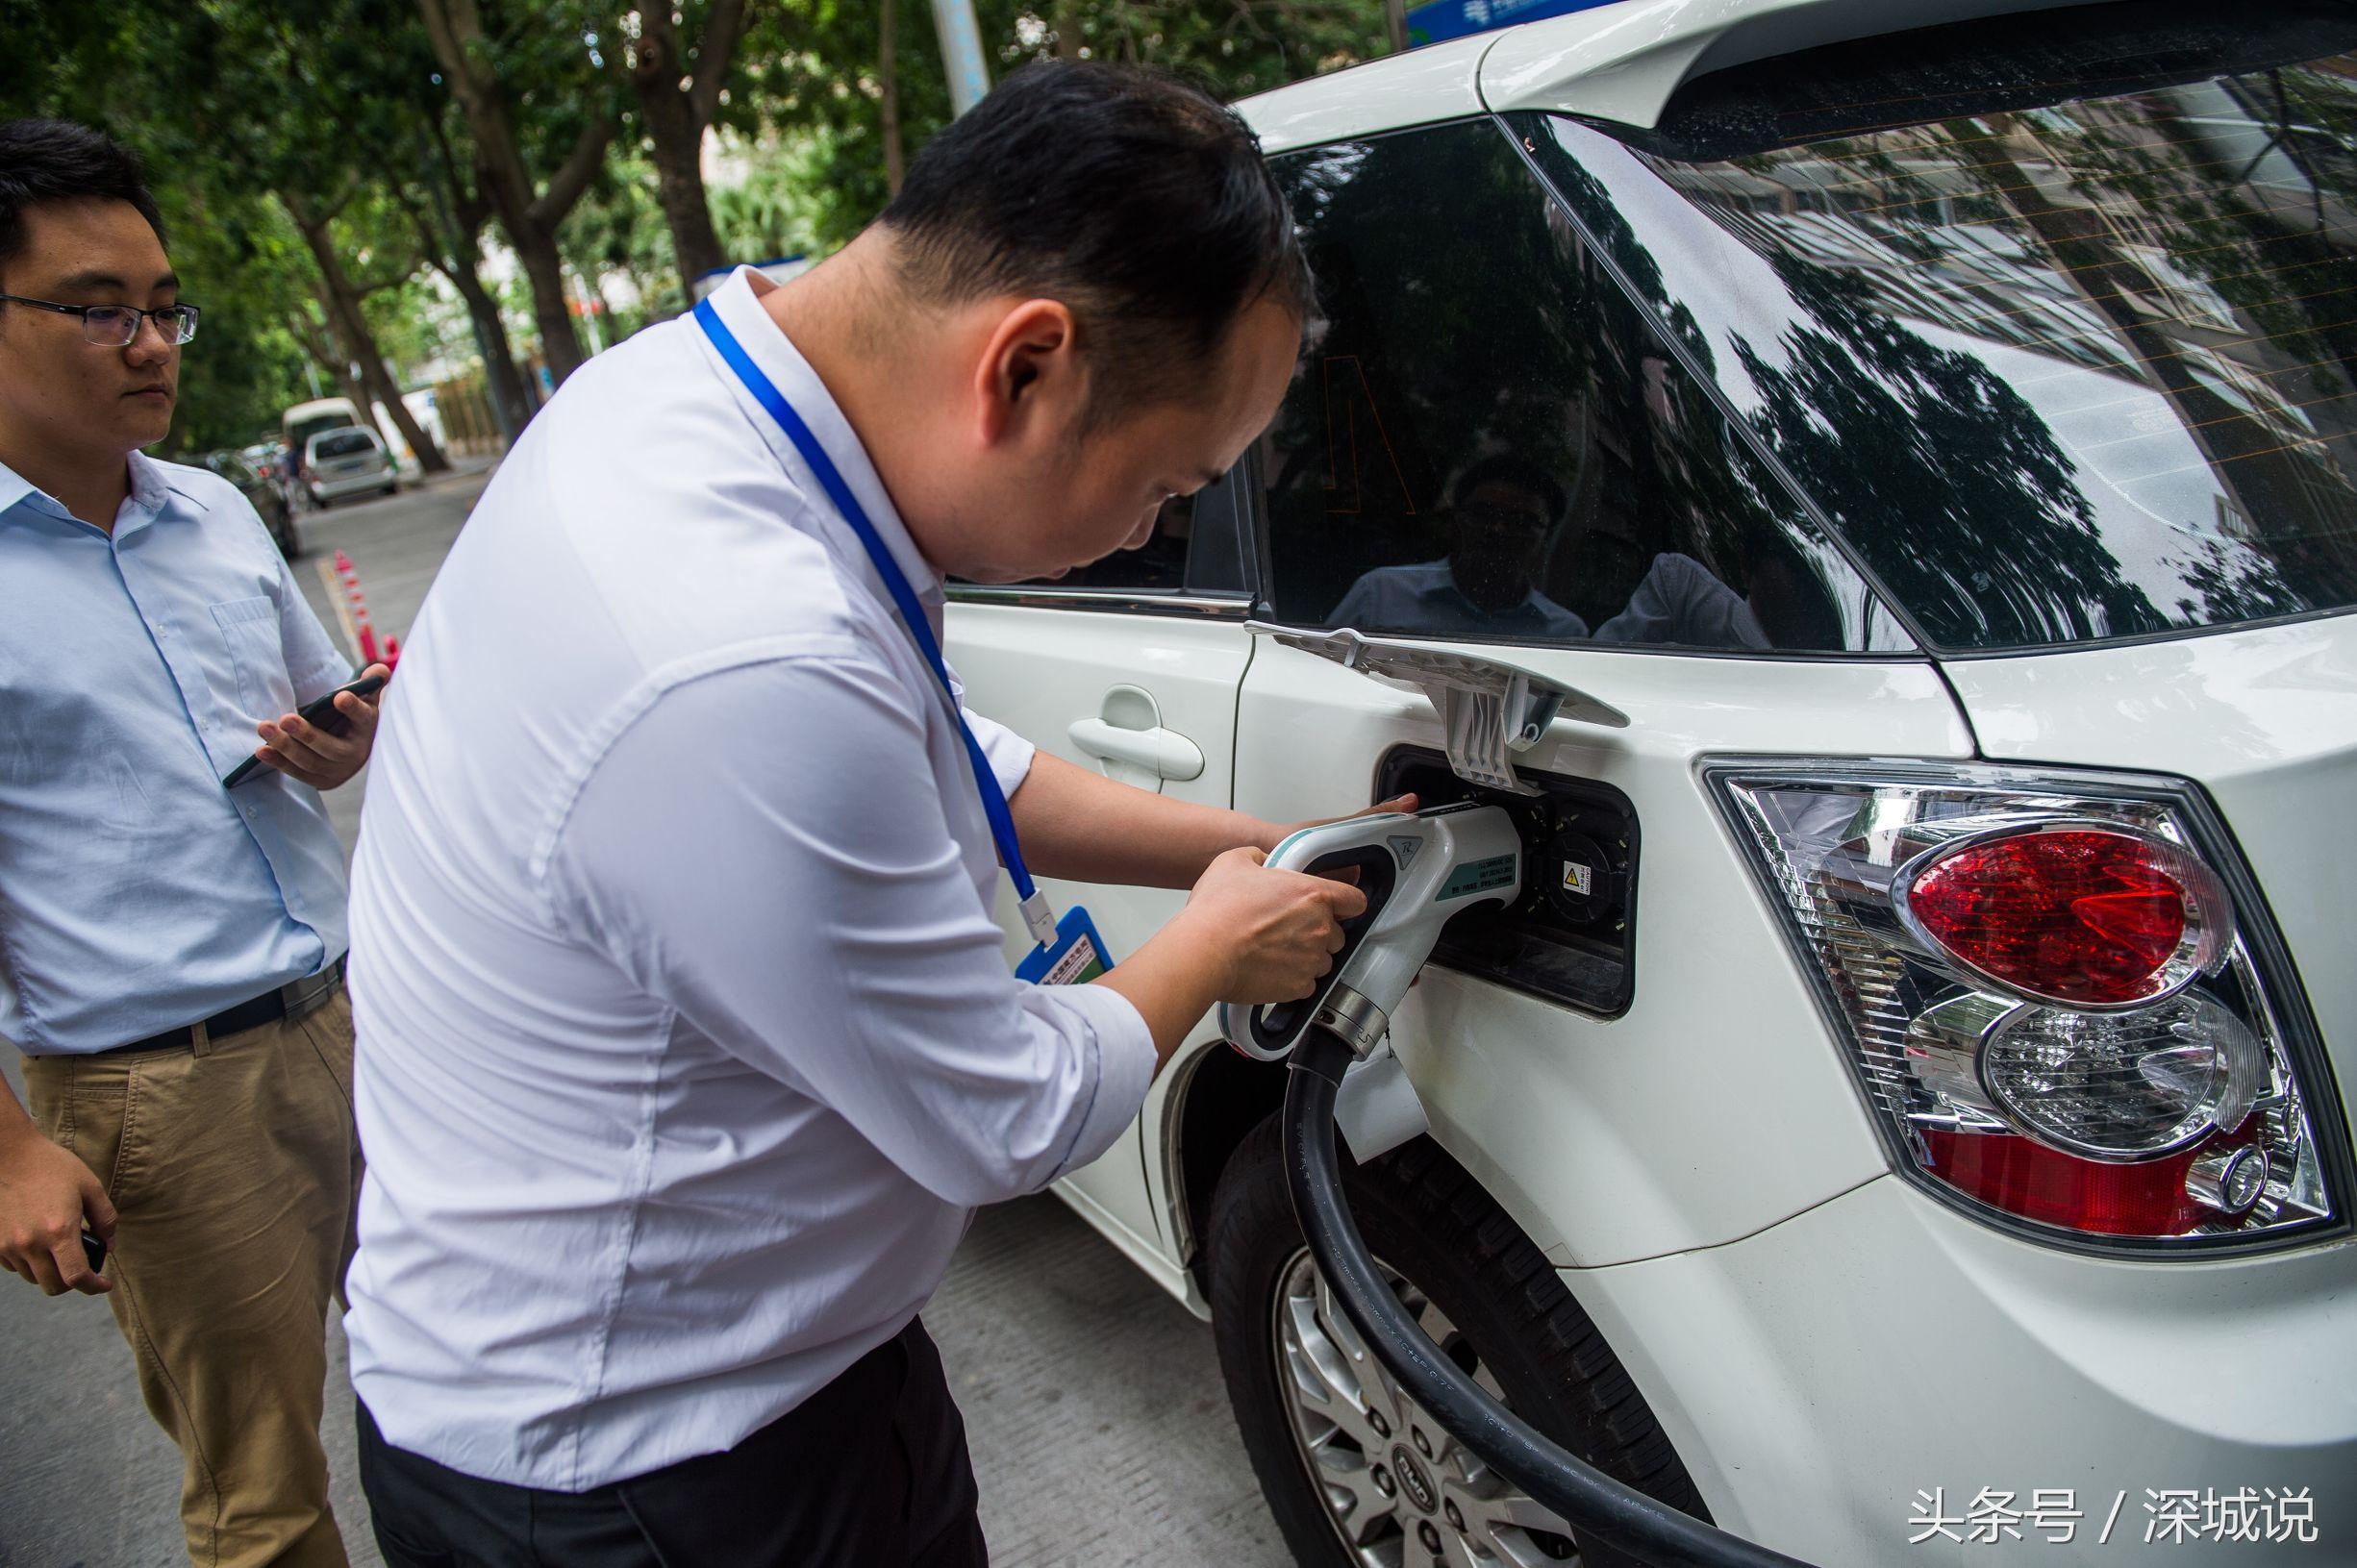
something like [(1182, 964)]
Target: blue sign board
[(1459, 18)]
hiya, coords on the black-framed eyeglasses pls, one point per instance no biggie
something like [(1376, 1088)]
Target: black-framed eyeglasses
[(115, 325)]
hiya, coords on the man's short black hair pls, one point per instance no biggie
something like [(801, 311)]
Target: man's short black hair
[(1136, 200), (57, 161)]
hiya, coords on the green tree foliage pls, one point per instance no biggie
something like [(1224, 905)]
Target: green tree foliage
[(811, 71), (264, 119)]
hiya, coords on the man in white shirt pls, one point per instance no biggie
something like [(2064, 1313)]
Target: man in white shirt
[(687, 1042)]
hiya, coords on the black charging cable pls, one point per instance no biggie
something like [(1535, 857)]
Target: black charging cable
[(1590, 1500)]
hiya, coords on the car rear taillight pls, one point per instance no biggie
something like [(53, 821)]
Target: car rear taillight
[(2044, 994), (2074, 913)]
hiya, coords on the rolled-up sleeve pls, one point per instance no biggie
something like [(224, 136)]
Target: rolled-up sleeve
[(764, 849), (1009, 754)]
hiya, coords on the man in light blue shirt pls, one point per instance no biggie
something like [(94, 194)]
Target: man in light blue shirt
[(168, 944)]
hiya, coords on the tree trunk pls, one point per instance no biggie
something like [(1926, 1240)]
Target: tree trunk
[(320, 345), (351, 329), (678, 156), (1067, 24), (508, 400), (544, 269), (531, 218), (461, 210), (677, 109), (888, 75)]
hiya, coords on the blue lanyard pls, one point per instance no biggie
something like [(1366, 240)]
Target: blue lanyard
[(1036, 912)]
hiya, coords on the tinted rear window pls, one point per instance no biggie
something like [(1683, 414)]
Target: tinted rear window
[(2058, 372), (349, 443)]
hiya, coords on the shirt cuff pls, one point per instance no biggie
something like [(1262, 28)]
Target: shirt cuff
[(1125, 1063)]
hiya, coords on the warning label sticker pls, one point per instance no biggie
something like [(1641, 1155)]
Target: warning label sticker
[(1578, 879)]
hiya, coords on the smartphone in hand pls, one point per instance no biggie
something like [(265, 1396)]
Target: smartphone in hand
[(321, 713)]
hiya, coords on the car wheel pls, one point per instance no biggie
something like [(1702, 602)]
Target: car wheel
[(1355, 1472), (391, 489), (290, 537)]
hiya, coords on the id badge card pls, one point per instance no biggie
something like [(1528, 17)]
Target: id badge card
[(1077, 956)]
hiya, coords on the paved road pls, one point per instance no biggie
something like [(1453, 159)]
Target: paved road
[(1100, 1432)]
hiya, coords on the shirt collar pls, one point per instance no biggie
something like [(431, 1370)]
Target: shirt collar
[(151, 493), (737, 301), (14, 488)]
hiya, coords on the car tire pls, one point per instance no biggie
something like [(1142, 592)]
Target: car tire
[(1493, 1301), (393, 489)]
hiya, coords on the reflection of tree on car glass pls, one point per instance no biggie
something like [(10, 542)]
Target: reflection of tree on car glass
[(1878, 422), (2063, 363), (1503, 518)]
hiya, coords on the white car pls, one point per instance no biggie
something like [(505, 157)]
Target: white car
[(345, 461), (1909, 1111)]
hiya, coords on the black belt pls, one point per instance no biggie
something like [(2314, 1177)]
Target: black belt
[(292, 1000)]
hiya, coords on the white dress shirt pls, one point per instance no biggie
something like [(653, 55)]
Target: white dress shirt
[(687, 1042)]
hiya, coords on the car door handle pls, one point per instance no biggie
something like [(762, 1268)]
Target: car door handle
[(1163, 753)]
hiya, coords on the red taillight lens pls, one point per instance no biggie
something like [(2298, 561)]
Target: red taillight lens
[(2084, 916), (2148, 1198)]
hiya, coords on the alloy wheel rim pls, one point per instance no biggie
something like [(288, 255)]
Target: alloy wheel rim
[(1399, 1491)]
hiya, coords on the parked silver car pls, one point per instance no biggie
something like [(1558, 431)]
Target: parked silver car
[(348, 462)]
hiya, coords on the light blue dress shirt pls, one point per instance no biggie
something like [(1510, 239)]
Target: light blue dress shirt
[(135, 893)]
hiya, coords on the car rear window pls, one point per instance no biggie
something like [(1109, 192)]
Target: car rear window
[(347, 443), (2062, 365)]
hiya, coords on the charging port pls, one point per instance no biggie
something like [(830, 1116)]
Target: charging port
[(1572, 936)]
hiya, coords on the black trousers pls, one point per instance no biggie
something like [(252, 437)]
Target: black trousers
[(869, 1472)]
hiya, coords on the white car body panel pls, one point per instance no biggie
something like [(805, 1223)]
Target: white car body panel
[(1620, 61), (1623, 61), (1421, 88), (2265, 720), (1573, 1122), (1039, 671), (1814, 1378)]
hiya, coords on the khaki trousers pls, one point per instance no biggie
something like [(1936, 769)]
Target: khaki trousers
[(233, 1168)]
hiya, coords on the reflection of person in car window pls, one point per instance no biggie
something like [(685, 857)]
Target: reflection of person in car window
[(1504, 511), (1682, 601)]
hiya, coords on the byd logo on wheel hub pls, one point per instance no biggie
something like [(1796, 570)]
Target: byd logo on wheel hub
[(1413, 1480)]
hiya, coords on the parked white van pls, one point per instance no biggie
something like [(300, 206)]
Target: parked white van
[(301, 422), (1909, 1111)]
